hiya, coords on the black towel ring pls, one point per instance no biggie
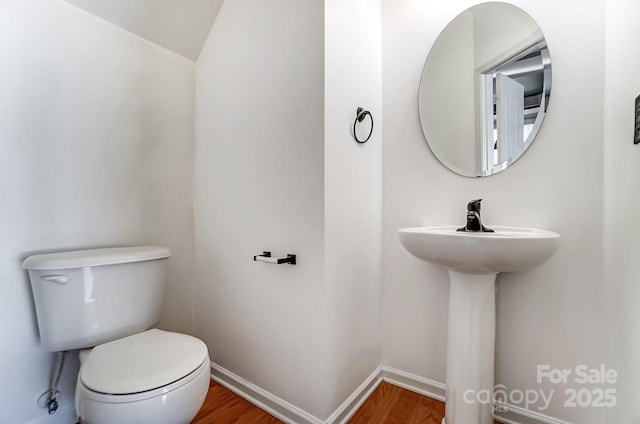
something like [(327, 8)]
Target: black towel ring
[(360, 115)]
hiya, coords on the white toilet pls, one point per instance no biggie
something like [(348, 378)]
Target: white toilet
[(105, 301)]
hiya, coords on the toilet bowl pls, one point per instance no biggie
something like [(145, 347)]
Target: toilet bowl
[(154, 377)]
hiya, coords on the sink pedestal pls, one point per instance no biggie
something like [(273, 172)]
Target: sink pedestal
[(473, 260), (470, 348)]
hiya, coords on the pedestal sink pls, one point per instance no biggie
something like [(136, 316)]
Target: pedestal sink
[(473, 261)]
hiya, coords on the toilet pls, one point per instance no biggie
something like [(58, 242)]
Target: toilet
[(105, 303)]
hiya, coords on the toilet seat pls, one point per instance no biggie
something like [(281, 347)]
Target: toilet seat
[(155, 377), (177, 402), (199, 377), (143, 364)]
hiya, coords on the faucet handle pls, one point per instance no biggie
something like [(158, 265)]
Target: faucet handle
[(474, 205)]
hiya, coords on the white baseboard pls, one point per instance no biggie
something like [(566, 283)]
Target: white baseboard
[(274, 405), (424, 386), (434, 389), (284, 410), (511, 414), (291, 414), (351, 405)]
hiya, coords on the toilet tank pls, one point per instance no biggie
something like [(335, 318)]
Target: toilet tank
[(87, 297)]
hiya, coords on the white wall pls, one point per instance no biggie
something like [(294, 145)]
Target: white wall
[(550, 315), (352, 181), (259, 186), (96, 149), (277, 169), (622, 200)]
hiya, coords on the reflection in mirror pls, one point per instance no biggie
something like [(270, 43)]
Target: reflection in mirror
[(485, 89)]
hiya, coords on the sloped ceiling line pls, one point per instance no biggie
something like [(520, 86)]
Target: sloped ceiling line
[(181, 26)]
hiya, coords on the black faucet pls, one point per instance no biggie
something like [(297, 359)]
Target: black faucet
[(474, 223)]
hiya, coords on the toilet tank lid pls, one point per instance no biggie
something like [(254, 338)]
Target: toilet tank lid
[(95, 257)]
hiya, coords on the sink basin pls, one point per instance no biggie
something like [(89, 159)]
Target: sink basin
[(509, 249), (474, 260)]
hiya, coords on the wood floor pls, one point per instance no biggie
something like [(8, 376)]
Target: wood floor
[(222, 406), (388, 404), (394, 405)]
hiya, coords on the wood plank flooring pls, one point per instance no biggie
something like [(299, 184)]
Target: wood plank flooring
[(391, 404), (222, 406), (388, 404)]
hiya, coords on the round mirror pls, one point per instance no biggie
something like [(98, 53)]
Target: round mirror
[(485, 89)]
